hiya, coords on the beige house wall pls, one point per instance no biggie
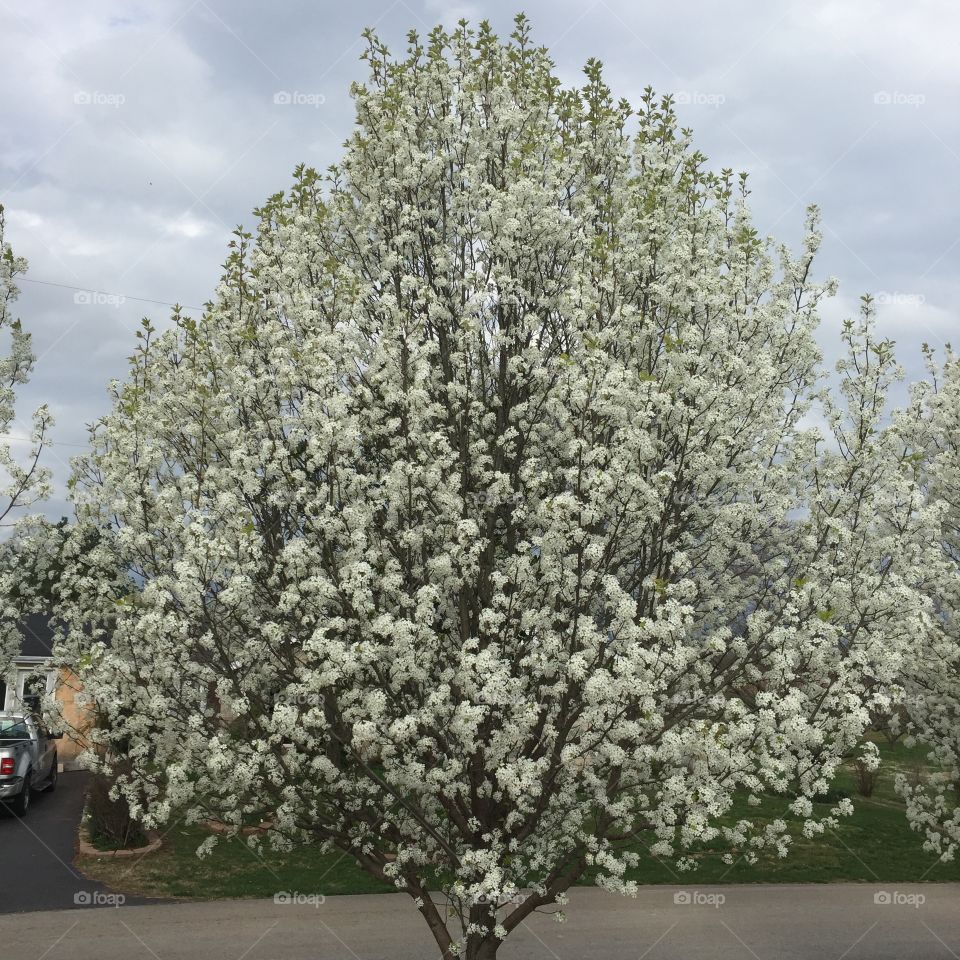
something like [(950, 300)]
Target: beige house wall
[(76, 718)]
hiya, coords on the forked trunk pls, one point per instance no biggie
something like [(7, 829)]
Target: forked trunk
[(482, 949)]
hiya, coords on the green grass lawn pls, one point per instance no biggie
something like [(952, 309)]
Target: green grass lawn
[(232, 870), (874, 845)]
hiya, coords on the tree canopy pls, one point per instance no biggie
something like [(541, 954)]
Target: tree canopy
[(478, 526)]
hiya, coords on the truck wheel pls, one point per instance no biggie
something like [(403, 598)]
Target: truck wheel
[(54, 776), (21, 802)]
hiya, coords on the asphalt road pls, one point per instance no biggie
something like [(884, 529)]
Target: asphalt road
[(776, 922), (36, 853)]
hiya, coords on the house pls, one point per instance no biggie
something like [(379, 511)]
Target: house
[(35, 677)]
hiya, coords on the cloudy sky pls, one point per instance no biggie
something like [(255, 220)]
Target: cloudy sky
[(136, 135)]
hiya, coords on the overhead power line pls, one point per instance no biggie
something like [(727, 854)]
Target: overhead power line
[(104, 293), (50, 443)]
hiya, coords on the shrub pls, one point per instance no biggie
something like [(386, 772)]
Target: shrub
[(109, 823)]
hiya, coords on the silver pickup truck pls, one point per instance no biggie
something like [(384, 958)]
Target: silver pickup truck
[(28, 760)]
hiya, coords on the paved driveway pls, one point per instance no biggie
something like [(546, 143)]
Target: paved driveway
[(781, 922), (36, 853)]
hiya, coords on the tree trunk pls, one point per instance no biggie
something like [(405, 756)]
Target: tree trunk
[(485, 949)]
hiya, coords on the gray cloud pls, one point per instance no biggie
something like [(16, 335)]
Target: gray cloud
[(137, 135)]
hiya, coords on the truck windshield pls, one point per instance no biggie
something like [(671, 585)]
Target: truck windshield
[(13, 728)]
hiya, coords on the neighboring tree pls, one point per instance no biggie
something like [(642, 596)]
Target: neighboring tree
[(36, 562), (930, 428), (32, 565), (474, 528), (21, 486)]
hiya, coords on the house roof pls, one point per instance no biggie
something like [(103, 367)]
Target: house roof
[(36, 635)]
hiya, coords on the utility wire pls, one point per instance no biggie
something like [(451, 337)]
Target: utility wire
[(46, 443), (104, 293)]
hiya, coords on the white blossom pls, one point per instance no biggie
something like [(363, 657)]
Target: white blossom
[(25, 553), (930, 430), (475, 528)]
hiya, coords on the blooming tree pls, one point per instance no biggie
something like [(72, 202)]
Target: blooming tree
[(474, 528), (21, 484), (930, 428)]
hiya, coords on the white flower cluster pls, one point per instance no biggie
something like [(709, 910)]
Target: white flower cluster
[(474, 529), (21, 484), (930, 429)]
